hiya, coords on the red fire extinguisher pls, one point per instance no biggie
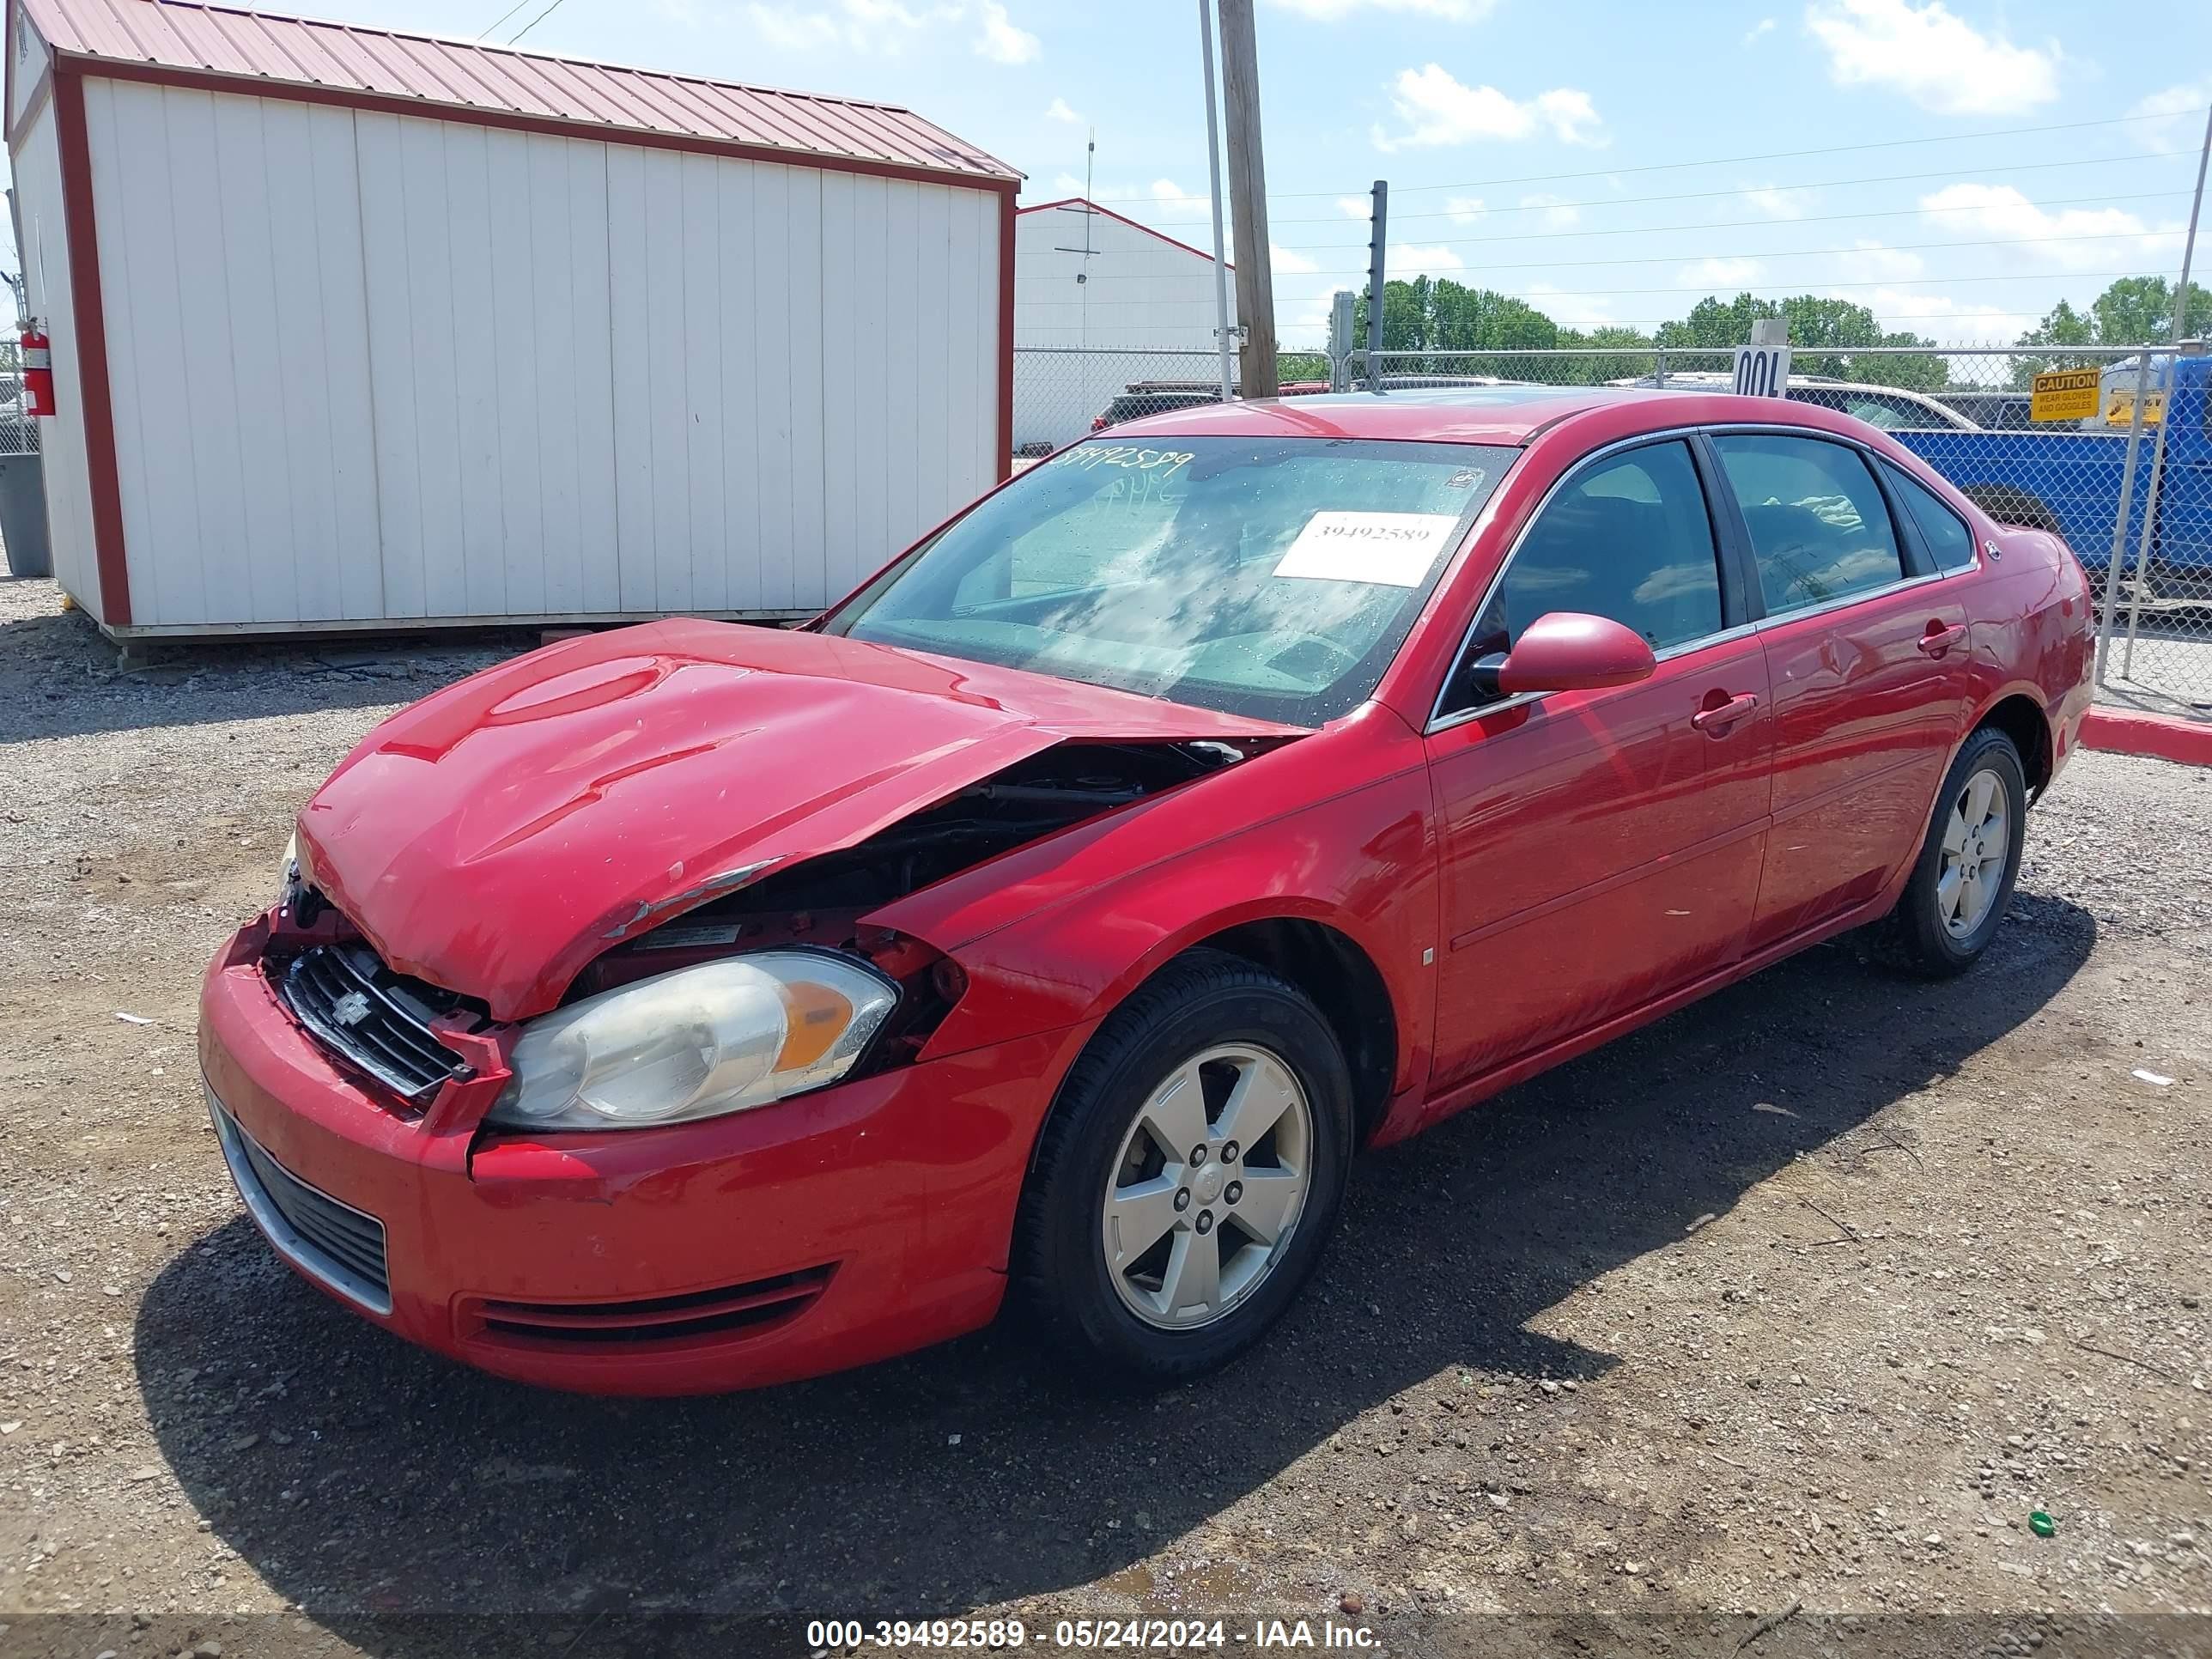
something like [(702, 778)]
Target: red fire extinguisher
[(38, 370)]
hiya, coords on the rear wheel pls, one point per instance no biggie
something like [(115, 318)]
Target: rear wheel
[(1191, 1173), (1968, 864)]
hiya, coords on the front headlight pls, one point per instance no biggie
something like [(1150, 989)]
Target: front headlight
[(720, 1037)]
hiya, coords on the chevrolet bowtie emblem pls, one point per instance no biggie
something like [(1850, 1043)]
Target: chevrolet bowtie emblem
[(351, 1009)]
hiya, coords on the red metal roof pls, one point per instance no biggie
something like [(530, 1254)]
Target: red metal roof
[(463, 76)]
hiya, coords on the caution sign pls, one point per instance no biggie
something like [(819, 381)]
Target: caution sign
[(2065, 394)]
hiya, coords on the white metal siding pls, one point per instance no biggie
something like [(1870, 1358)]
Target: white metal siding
[(1141, 292), (1140, 295), (30, 57), (372, 366), (46, 258)]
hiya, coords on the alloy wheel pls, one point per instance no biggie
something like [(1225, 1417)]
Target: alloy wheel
[(1208, 1187), (1977, 843)]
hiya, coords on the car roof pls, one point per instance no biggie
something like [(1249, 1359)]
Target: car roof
[(1468, 414)]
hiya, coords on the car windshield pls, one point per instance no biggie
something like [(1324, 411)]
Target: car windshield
[(1268, 577)]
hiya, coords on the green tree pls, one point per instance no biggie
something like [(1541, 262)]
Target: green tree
[(1618, 354), (2133, 311), (1441, 315), (2139, 311), (1821, 332)]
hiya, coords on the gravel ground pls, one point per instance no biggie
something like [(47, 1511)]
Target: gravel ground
[(1798, 1303)]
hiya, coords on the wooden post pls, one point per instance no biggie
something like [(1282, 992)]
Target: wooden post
[(1248, 200)]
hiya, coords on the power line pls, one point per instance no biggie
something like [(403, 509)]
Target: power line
[(1677, 259), (1740, 189), (1730, 224), (533, 22), (1453, 274), (1712, 161), (485, 32)]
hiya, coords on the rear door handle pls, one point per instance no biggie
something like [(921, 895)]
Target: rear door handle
[(1716, 719), (1940, 637)]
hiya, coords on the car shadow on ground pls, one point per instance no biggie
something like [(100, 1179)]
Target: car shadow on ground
[(385, 1491)]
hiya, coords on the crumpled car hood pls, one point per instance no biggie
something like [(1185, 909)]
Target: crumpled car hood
[(496, 836)]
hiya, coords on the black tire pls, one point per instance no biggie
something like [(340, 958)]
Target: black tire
[(1915, 936), (1203, 1000)]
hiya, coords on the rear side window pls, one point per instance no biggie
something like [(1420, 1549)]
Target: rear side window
[(1950, 544), (1628, 539), (1819, 530)]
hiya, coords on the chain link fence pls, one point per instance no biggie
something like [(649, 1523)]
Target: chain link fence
[(19, 432), (1065, 393), (2131, 496), (2130, 492)]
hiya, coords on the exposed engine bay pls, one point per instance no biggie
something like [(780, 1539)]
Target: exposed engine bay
[(820, 900)]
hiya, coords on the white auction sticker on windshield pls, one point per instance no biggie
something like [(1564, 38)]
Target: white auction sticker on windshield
[(1393, 549)]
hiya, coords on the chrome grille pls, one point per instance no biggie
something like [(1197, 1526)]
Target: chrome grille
[(377, 1020), (334, 1242)]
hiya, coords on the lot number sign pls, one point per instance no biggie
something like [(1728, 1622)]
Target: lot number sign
[(1762, 371), (2065, 394)]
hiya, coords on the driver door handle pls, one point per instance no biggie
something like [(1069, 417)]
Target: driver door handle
[(1716, 720)]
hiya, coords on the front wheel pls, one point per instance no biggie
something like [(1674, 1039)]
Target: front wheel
[(1190, 1174), (1968, 863)]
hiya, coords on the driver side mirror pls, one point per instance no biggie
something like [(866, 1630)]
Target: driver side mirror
[(1565, 651)]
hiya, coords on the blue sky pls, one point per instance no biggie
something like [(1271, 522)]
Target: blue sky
[(1531, 144)]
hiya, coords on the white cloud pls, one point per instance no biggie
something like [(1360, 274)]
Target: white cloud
[(1058, 110), (1942, 317), (2001, 211), (1777, 201), (1356, 207), (1730, 273), (882, 28), (2179, 113), (1570, 310), (1932, 55), (1404, 261), (1451, 11), (1559, 213), (1877, 262), (1288, 262), (1765, 25), (1168, 193), (1001, 41), (1463, 209), (1437, 109)]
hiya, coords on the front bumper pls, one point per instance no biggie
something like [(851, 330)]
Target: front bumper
[(839, 1227)]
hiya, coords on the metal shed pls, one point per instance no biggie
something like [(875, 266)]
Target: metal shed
[(355, 329), (1101, 300)]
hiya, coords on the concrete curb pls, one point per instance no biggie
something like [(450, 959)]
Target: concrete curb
[(2189, 742)]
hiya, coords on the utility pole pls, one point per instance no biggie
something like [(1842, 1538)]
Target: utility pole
[(1248, 197), (1213, 173), (1379, 230)]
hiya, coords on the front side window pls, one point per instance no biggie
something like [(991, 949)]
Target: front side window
[(1271, 577), (1630, 538), (1819, 530), (1949, 543)]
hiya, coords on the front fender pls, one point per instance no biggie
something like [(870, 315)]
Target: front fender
[(1059, 932)]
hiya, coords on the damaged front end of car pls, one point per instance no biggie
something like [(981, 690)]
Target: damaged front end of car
[(749, 987)]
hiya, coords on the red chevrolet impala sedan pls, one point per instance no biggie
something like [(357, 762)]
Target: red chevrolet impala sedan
[(700, 1005)]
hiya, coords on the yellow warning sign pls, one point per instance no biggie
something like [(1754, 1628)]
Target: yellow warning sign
[(2120, 410), (2065, 394)]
